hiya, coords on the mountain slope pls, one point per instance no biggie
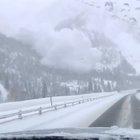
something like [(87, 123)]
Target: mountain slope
[(86, 49), (109, 26)]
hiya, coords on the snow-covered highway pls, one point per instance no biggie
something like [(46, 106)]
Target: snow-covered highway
[(81, 115)]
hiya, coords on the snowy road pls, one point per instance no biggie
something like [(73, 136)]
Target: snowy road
[(76, 116), (124, 114)]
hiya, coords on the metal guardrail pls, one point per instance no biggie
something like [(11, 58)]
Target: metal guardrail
[(40, 110)]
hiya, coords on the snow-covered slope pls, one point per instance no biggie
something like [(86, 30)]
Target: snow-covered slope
[(81, 42), (78, 34), (109, 27), (24, 76)]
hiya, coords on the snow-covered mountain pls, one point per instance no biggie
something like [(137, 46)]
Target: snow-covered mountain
[(77, 33), (23, 76), (107, 25), (71, 47), (19, 67)]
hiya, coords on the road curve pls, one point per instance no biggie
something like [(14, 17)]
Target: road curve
[(124, 114)]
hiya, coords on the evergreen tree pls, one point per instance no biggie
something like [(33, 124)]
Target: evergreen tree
[(95, 87), (7, 84), (99, 88), (67, 90), (90, 86), (44, 89), (109, 87)]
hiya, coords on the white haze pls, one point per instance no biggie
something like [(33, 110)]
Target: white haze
[(69, 47)]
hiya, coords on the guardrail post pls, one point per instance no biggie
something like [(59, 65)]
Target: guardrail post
[(51, 101), (65, 105), (55, 107), (40, 111), (20, 115), (72, 103)]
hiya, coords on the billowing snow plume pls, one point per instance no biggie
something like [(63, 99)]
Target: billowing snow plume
[(77, 34)]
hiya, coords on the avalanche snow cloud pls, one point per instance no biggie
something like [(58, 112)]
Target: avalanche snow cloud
[(74, 34)]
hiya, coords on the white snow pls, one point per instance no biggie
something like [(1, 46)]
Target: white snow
[(46, 101), (77, 116), (138, 96), (71, 47), (124, 132), (3, 93)]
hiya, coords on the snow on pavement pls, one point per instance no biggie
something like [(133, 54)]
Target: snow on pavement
[(46, 101), (77, 116), (13, 107)]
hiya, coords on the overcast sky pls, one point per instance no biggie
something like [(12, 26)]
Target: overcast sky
[(70, 47)]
